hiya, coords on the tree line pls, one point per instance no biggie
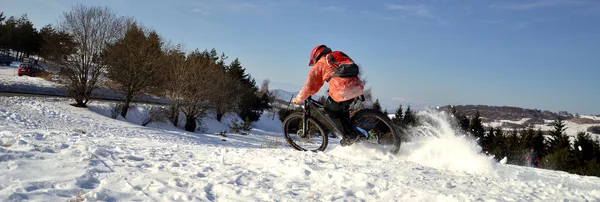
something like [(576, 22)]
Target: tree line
[(90, 45), (548, 149), (19, 34)]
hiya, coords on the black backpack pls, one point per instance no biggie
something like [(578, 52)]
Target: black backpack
[(342, 64)]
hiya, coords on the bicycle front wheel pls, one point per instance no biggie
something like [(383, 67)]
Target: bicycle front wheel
[(379, 128), (313, 139)]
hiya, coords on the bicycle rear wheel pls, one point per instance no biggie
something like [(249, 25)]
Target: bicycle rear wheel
[(379, 128), (314, 139)]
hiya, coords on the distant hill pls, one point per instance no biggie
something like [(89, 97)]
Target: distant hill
[(493, 113), (520, 118)]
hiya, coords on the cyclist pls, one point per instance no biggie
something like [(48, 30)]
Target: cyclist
[(342, 90)]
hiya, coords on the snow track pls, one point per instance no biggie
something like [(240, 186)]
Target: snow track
[(51, 151)]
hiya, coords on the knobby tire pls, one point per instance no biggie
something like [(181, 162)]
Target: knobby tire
[(356, 115), (310, 120)]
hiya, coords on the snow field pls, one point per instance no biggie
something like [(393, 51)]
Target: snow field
[(50, 151)]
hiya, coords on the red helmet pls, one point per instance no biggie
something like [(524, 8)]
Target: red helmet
[(317, 52)]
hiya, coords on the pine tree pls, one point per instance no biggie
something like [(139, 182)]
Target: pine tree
[(561, 159), (558, 139), (488, 140), (398, 117), (560, 154), (238, 72), (463, 121), (476, 127), (249, 104), (55, 44), (499, 147), (538, 143), (527, 138), (514, 153), (410, 118), (377, 106), (585, 148), (31, 40)]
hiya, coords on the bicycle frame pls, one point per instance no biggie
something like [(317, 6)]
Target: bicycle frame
[(311, 103)]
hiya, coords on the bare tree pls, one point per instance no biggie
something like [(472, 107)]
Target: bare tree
[(175, 73), (134, 62), (196, 83), (265, 91), (91, 29), (227, 94), (200, 93), (265, 95)]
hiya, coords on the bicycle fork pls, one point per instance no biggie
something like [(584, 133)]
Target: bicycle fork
[(305, 125)]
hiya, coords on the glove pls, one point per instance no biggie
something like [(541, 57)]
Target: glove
[(297, 101)]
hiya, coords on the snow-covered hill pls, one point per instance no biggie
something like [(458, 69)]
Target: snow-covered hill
[(51, 151), (572, 127), (10, 82)]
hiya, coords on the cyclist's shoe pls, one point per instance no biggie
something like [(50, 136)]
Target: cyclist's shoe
[(347, 141), (351, 137), (350, 140)]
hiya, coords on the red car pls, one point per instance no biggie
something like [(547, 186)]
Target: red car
[(29, 69)]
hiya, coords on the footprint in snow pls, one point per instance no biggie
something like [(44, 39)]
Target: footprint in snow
[(49, 150), (135, 158), (449, 185), (131, 158), (39, 136), (87, 181)]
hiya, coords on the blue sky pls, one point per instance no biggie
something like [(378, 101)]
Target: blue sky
[(542, 54)]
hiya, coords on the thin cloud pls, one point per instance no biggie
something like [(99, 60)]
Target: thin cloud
[(201, 11), (494, 21), (377, 15), (399, 99), (421, 11), (241, 6), (216, 7), (524, 24), (333, 9), (540, 4)]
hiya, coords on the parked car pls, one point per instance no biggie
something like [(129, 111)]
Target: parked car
[(5, 60), (30, 69)]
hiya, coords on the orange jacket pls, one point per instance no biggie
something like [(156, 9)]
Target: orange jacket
[(340, 89)]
